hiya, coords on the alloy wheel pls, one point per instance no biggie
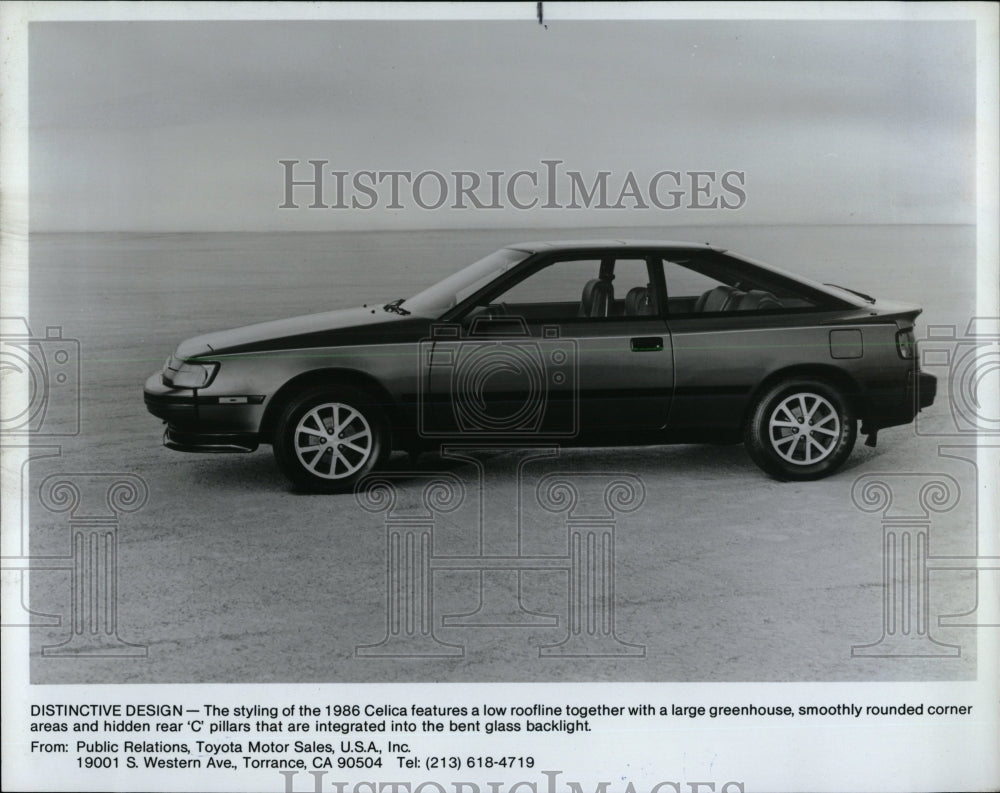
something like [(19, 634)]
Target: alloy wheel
[(804, 429), (333, 440)]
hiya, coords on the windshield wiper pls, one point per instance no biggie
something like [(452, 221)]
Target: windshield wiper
[(395, 307), (862, 295)]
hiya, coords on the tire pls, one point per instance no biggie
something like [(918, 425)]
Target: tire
[(801, 429), (328, 437)]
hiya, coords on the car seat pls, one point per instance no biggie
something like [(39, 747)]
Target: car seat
[(598, 293), (758, 300), (721, 298), (637, 302)]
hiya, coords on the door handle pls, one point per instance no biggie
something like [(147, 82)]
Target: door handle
[(647, 344)]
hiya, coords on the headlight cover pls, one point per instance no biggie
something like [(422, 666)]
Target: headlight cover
[(188, 374)]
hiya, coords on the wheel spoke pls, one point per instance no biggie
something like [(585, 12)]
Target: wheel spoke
[(346, 421), (786, 439), (334, 459), (315, 433), (825, 431), (818, 445), (359, 449), (316, 421), (312, 464)]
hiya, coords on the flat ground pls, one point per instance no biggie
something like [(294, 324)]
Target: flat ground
[(226, 576)]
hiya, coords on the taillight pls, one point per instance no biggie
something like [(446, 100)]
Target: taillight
[(906, 344)]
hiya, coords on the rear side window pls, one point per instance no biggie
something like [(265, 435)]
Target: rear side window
[(713, 284)]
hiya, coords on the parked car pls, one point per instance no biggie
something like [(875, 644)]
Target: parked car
[(579, 343)]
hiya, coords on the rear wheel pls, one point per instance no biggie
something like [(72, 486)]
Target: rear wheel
[(801, 429), (327, 438)]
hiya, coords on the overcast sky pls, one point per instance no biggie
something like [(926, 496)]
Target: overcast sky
[(180, 126)]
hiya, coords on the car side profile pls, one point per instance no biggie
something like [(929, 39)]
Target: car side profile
[(580, 343)]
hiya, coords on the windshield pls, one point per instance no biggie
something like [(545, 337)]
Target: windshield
[(437, 299)]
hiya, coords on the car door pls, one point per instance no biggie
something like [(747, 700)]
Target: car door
[(577, 344), (731, 326)]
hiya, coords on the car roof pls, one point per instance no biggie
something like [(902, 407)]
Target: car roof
[(674, 245), (534, 247)]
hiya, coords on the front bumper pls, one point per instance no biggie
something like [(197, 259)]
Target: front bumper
[(181, 441), (204, 423)]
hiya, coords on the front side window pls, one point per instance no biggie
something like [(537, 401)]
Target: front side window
[(578, 289)]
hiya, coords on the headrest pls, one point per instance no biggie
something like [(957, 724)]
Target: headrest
[(597, 298), (637, 302)]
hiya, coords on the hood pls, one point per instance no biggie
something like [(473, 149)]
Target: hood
[(307, 330)]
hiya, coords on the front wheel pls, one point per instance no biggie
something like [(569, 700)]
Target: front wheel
[(801, 429), (328, 438)]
